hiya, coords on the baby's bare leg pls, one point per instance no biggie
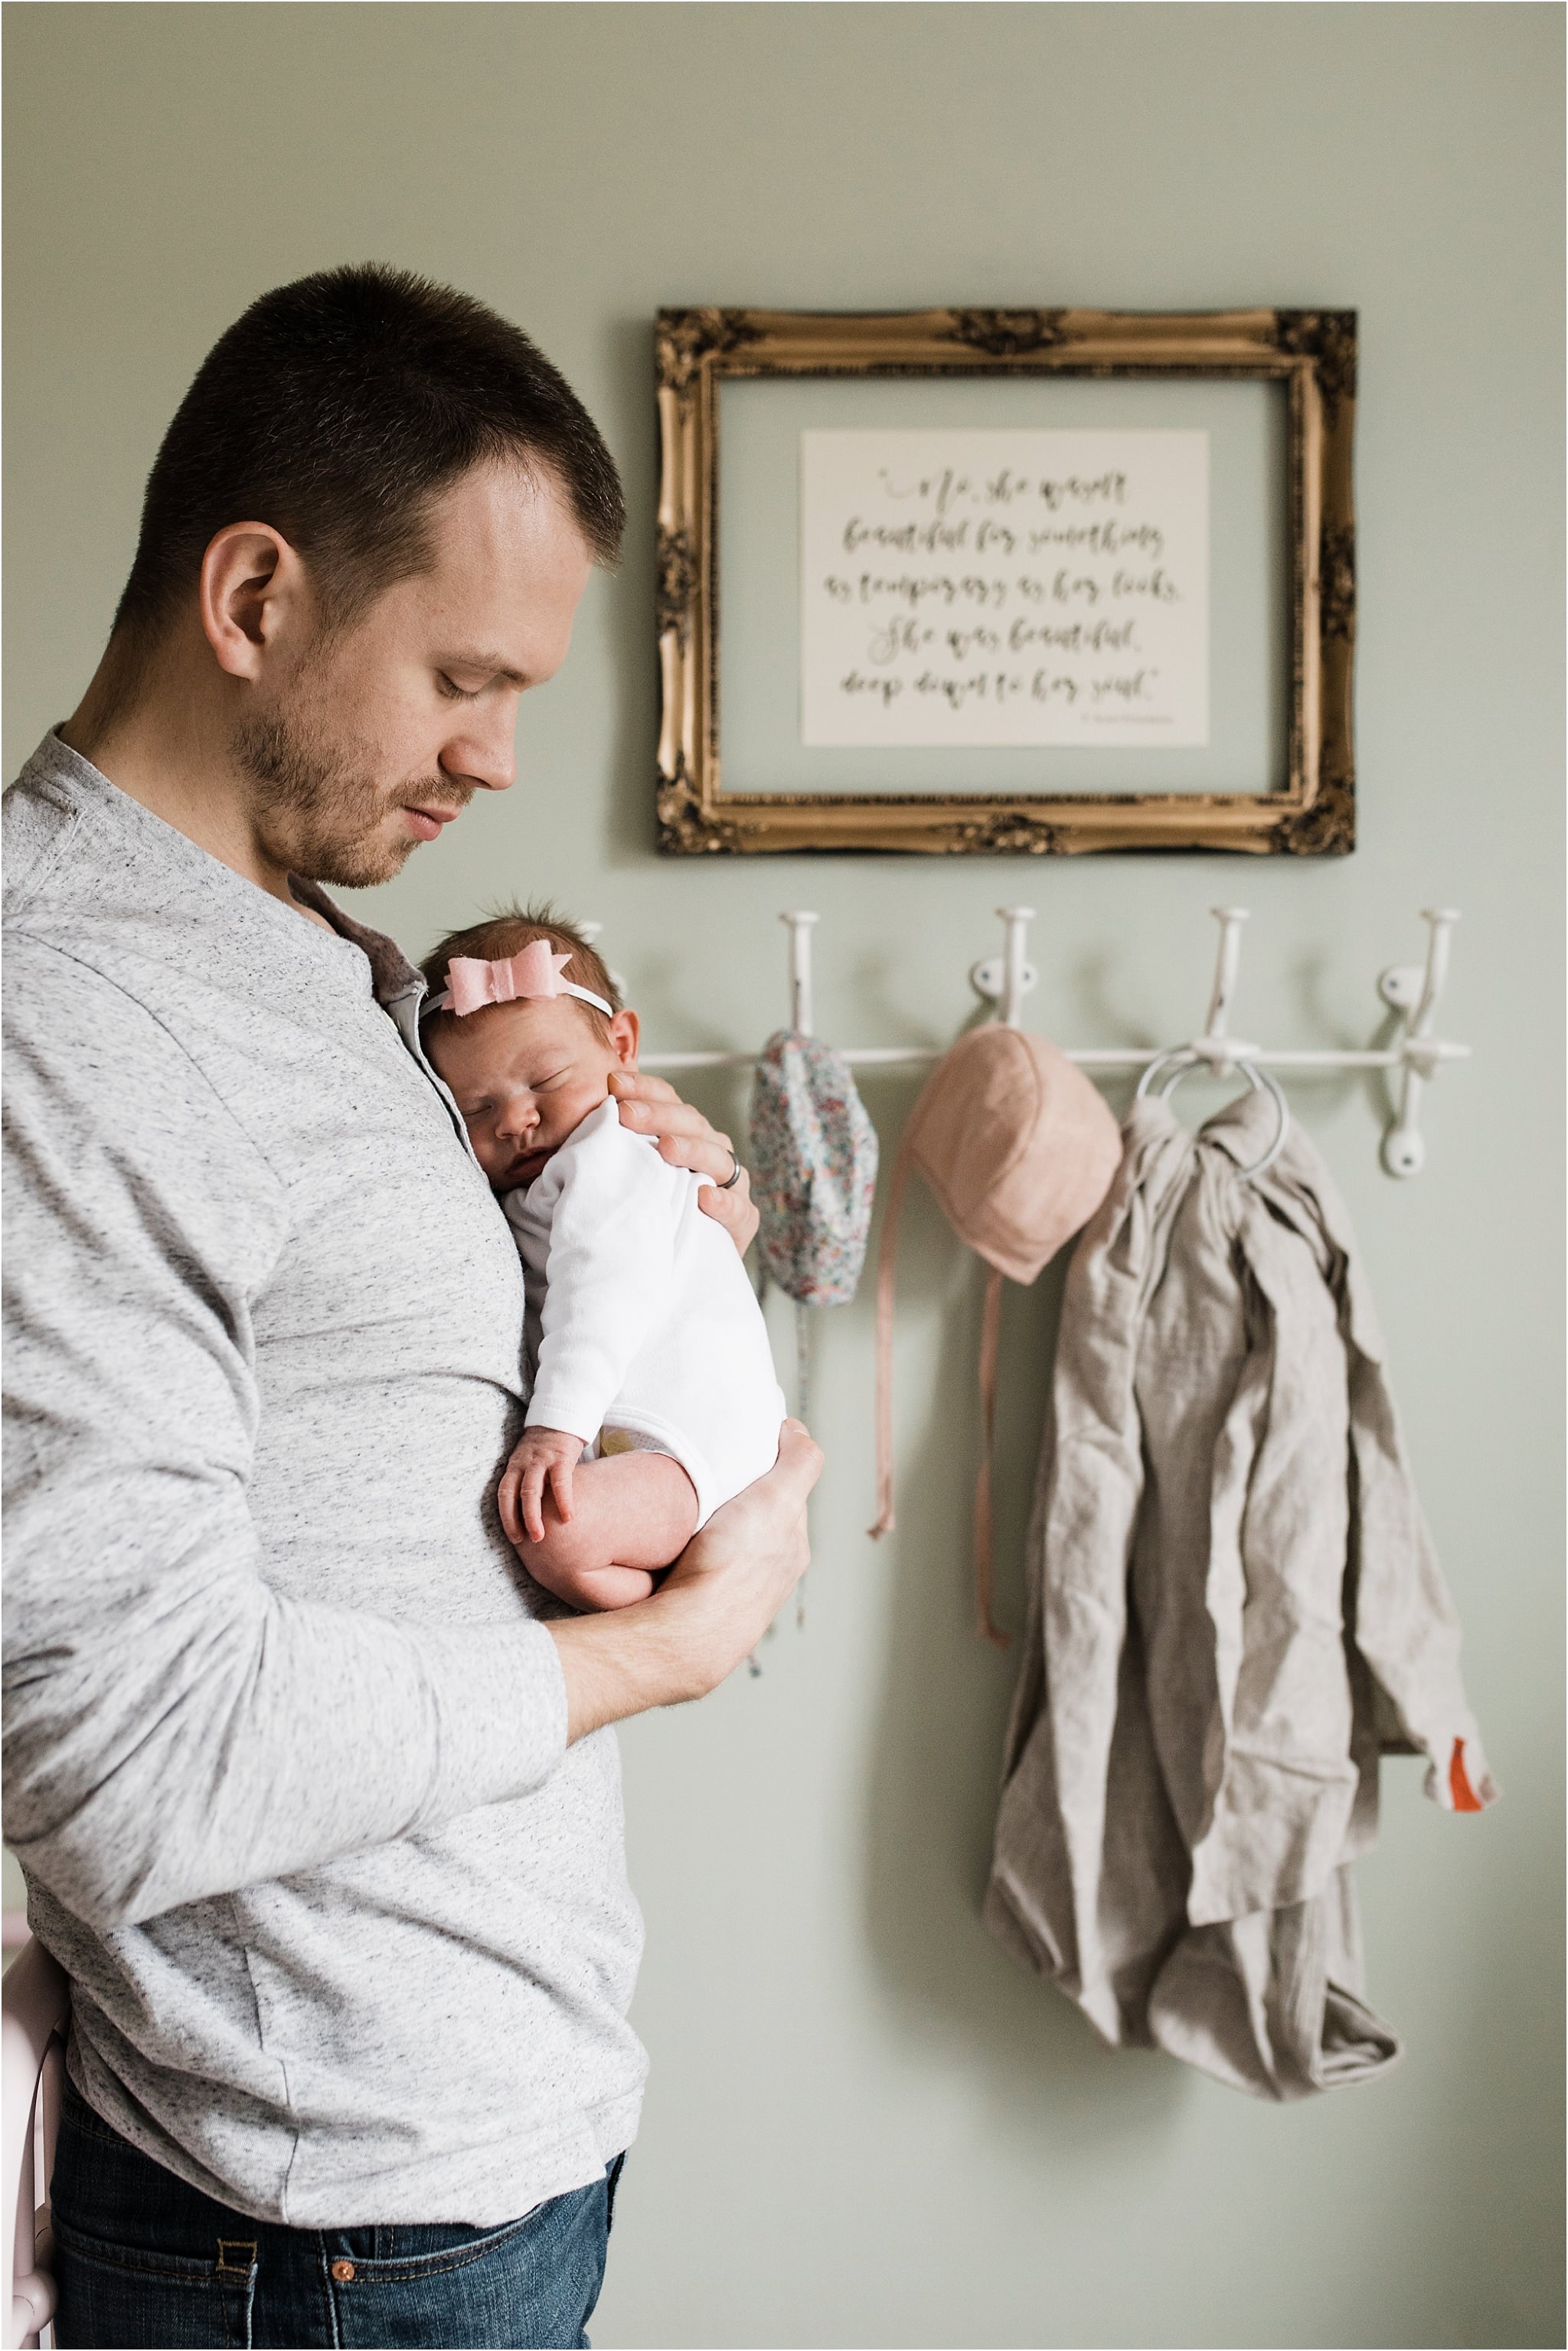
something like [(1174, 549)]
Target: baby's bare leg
[(632, 1514)]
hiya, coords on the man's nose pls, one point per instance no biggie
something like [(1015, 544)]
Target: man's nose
[(485, 752)]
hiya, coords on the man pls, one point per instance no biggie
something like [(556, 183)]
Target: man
[(318, 1808)]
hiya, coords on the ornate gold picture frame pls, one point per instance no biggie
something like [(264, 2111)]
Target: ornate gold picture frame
[(1312, 354)]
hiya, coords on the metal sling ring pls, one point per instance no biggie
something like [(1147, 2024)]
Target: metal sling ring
[(1186, 1061)]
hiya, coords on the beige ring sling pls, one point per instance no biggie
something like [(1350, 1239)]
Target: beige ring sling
[(1019, 1150)]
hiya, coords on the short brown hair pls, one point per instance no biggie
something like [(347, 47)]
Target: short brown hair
[(336, 409), (507, 932)]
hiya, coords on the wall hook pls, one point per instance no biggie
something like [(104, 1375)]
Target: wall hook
[(1413, 991), (800, 923), (590, 934), (1006, 979), (1216, 1046)]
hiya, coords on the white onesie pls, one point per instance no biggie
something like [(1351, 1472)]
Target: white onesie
[(640, 1315)]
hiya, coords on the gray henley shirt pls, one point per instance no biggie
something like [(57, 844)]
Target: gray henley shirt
[(346, 1922)]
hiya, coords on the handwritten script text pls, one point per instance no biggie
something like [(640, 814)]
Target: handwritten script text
[(1004, 586)]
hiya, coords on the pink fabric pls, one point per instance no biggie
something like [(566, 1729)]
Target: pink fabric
[(990, 1342), (1021, 1150), (534, 970)]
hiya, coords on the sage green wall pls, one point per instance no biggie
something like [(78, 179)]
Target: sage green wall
[(865, 2126)]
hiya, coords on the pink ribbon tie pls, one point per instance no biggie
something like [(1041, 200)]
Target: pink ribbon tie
[(534, 970)]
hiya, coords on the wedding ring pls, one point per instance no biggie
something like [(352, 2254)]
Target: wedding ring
[(733, 1178)]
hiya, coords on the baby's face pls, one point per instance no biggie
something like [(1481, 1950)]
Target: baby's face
[(525, 1075)]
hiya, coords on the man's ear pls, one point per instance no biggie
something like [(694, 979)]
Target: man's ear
[(253, 586), (624, 1030)]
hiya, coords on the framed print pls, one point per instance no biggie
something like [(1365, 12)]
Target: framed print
[(1006, 582)]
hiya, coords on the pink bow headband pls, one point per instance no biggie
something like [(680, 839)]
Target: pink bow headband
[(533, 971)]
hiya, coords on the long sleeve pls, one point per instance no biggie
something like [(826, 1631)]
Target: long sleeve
[(1406, 1625), (175, 1727), (610, 1273), (1401, 1617)]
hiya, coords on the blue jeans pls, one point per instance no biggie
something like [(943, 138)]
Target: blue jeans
[(142, 2259)]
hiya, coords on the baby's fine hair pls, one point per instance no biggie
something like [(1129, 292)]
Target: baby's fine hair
[(507, 932)]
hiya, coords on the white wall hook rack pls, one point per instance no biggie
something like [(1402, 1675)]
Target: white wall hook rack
[(1410, 990)]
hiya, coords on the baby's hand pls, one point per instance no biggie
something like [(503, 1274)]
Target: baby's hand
[(541, 1456)]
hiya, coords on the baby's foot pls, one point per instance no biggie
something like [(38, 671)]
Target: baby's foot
[(592, 1588), (634, 1506)]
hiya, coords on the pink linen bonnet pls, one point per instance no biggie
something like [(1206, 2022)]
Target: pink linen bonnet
[(1021, 1150)]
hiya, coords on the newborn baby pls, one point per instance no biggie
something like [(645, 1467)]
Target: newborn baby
[(653, 1397)]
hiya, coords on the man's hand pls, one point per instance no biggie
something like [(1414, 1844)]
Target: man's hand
[(711, 1610), (650, 1106), (541, 1457)]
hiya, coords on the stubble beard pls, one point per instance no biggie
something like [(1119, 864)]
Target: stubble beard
[(319, 808)]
